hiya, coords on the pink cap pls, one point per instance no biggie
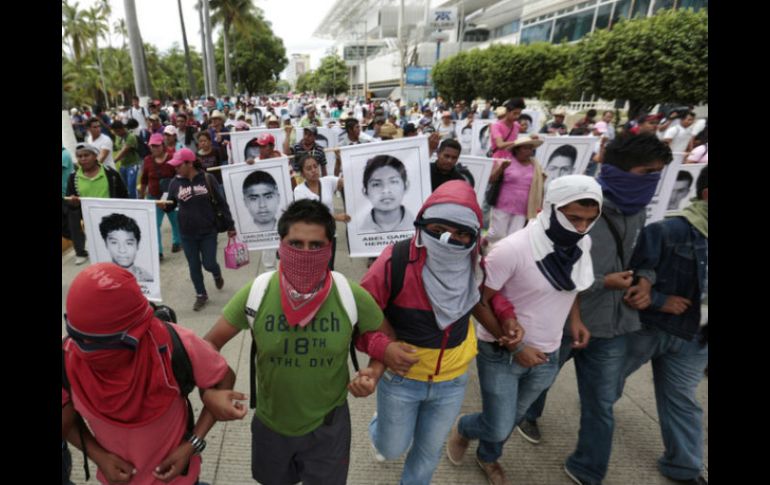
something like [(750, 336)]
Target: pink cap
[(156, 139), (181, 156), (266, 139), (169, 130)]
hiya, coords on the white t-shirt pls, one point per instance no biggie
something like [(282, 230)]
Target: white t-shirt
[(328, 187), (138, 115), (101, 143), (540, 308), (680, 137)]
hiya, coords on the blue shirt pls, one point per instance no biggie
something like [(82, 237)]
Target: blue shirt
[(66, 170)]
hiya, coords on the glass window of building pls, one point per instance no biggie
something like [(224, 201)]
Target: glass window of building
[(694, 4), (603, 16), (661, 5), (537, 33), (506, 29), (641, 7), (573, 27), (622, 10)]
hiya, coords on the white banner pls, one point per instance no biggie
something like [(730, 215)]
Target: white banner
[(240, 139), (124, 232), (386, 184), (564, 155), (480, 168), (480, 143), (257, 195)]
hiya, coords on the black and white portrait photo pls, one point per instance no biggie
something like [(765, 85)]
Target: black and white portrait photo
[(385, 185), (240, 139), (564, 155), (258, 194), (480, 168), (124, 232), (464, 135), (480, 141), (326, 138), (683, 187), (658, 206)]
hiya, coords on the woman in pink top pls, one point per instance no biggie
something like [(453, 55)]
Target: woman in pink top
[(521, 193), (505, 131)]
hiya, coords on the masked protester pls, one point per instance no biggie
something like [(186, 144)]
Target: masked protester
[(674, 333), (430, 313), (629, 175), (121, 381), (302, 318), (540, 270)]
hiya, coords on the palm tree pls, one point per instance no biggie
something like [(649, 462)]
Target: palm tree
[(96, 17), (141, 81), (231, 13), (213, 80), (190, 77), (75, 29)]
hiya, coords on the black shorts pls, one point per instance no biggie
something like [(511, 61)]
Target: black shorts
[(320, 457)]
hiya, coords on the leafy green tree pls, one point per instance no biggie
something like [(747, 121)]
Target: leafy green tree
[(659, 59), (232, 13), (307, 82), (560, 90), (331, 75), (258, 57)]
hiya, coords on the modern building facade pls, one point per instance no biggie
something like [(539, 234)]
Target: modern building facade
[(298, 65), (368, 38)]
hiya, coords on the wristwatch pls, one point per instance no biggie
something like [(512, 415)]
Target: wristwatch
[(198, 444)]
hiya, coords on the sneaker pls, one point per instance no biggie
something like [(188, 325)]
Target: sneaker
[(175, 248), (494, 472), (220, 282), (200, 302), (456, 445), (530, 431), (577, 480), (80, 260), (377, 456)]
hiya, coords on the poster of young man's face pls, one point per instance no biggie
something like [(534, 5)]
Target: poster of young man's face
[(480, 168), (683, 187), (658, 206), (564, 155), (480, 142), (326, 138), (536, 116), (464, 135), (386, 183), (124, 232), (239, 140), (257, 195)]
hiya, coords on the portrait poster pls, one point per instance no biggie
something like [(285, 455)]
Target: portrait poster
[(480, 168), (537, 120), (239, 140), (480, 143), (656, 209), (564, 155), (464, 136), (124, 232), (257, 195), (327, 138), (386, 184)]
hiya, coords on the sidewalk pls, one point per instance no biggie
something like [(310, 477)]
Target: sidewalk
[(227, 458)]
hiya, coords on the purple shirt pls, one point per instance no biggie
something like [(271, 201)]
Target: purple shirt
[(514, 193)]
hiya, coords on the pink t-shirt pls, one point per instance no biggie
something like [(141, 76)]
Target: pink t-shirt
[(699, 154), (514, 193), (500, 129), (148, 446), (540, 308)]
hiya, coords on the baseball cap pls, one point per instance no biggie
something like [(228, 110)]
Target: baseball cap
[(181, 156), (170, 130), (154, 117), (87, 146), (156, 139), (266, 139)]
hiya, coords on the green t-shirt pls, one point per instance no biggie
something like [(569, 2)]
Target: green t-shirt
[(132, 156), (302, 373), (93, 187)]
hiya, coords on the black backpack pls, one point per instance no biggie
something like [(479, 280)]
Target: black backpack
[(180, 365)]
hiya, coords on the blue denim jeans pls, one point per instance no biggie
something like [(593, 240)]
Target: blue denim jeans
[(173, 219), (417, 413), (565, 353), (129, 175), (599, 369), (677, 368), (507, 390), (197, 250)]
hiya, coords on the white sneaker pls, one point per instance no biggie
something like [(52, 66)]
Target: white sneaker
[(377, 456), (80, 260)]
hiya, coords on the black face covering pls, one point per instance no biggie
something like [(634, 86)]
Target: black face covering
[(559, 235), (557, 266)]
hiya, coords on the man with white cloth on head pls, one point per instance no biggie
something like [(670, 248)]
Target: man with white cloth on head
[(540, 270)]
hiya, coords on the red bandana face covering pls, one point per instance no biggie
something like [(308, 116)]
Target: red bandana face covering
[(305, 282)]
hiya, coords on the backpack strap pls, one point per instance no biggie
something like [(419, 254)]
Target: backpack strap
[(183, 373), (349, 304), (399, 258), (258, 289)]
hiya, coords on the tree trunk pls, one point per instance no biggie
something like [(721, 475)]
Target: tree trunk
[(213, 81), (188, 61), (141, 81), (228, 74), (101, 73), (637, 108), (204, 50)]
